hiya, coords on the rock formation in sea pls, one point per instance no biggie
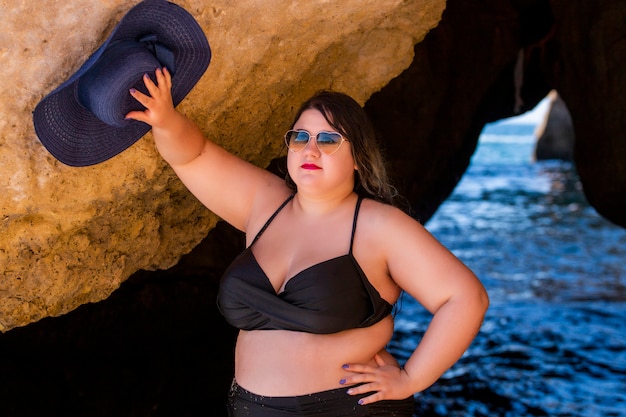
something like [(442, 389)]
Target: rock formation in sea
[(555, 134)]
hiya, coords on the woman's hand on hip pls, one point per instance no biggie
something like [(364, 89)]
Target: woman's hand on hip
[(385, 381)]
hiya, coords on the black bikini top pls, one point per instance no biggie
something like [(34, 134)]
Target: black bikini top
[(325, 298)]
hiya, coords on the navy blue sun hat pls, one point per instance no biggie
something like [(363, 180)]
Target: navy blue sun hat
[(82, 122)]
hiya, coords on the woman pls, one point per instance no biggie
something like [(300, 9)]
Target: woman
[(313, 291)]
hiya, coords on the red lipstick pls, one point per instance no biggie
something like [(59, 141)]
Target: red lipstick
[(309, 166)]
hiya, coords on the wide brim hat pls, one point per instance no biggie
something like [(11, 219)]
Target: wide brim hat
[(82, 122)]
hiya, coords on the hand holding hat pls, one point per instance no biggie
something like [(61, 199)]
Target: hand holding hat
[(83, 121), (158, 102), (173, 132)]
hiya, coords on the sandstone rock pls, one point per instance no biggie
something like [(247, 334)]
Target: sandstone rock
[(71, 235)]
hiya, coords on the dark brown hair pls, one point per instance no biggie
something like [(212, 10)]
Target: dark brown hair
[(348, 118)]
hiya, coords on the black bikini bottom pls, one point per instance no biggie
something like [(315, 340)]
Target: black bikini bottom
[(331, 403)]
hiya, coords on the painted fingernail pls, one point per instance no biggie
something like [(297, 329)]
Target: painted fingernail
[(361, 401), (343, 381), (345, 366), (349, 392), (132, 91)]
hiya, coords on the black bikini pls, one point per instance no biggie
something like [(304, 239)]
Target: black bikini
[(325, 298), (328, 297), (331, 403)]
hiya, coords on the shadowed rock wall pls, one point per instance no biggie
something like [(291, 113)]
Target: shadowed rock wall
[(491, 59)]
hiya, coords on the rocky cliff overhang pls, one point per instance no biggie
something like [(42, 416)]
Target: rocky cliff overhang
[(429, 79), (70, 235)]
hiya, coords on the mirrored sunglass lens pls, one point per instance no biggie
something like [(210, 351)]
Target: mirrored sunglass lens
[(328, 139), (299, 138)]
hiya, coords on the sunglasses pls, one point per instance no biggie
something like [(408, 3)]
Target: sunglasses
[(326, 142)]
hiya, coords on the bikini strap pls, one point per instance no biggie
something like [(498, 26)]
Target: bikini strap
[(356, 214), (267, 223)]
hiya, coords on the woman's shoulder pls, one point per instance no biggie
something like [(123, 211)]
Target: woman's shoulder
[(265, 204), (385, 219), (378, 210)]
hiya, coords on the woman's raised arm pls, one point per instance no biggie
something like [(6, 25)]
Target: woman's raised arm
[(224, 183)]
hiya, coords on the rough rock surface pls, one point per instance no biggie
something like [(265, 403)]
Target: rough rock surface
[(70, 236), (586, 63)]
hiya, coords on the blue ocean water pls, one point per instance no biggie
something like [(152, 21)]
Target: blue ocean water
[(553, 342)]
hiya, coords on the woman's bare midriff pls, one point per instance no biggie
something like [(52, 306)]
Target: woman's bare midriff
[(285, 363)]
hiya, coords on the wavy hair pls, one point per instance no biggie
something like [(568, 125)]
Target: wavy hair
[(348, 118)]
